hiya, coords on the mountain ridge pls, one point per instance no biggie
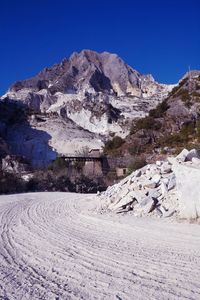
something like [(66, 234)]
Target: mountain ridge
[(90, 77), (97, 59), (91, 95)]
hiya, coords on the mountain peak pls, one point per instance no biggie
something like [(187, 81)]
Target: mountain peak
[(85, 98), (92, 77)]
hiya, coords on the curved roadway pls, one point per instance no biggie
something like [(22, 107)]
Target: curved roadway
[(56, 246)]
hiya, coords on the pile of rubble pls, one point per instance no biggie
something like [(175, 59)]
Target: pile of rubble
[(151, 189), (15, 164)]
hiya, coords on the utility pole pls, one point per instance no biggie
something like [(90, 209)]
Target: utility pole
[(189, 74), (189, 78)]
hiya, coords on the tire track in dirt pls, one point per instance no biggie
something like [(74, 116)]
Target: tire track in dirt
[(56, 246)]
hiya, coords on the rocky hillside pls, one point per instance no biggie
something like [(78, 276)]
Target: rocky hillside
[(98, 91), (76, 103), (40, 137), (174, 124)]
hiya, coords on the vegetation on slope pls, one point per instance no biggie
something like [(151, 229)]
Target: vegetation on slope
[(112, 146), (171, 126)]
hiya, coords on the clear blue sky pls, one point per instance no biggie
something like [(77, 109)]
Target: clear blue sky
[(161, 37)]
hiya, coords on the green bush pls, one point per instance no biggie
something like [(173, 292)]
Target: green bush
[(11, 184), (111, 176), (198, 130), (133, 128), (177, 88), (148, 123), (160, 110), (136, 164), (174, 91), (78, 165), (171, 140), (196, 94), (197, 87), (50, 181), (113, 144), (58, 164), (187, 130), (135, 148), (185, 97), (184, 94), (183, 81)]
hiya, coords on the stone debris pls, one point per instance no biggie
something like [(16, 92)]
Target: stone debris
[(15, 164), (195, 160), (166, 168), (192, 154), (171, 182), (156, 178), (149, 184), (152, 190), (182, 156)]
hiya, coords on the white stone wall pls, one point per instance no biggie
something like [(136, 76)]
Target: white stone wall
[(188, 188)]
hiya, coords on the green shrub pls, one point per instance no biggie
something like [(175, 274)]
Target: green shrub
[(174, 90), (50, 181), (196, 94), (197, 86), (136, 164), (135, 148), (160, 110), (184, 94), (198, 130), (148, 123), (183, 81), (177, 88), (111, 176), (113, 144), (133, 128), (187, 130), (88, 185), (11, 184), (171, 140), (78, 165), (185, 97), (58, 164)]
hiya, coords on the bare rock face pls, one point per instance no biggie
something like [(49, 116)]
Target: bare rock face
[(76, 103), (41, 140), (41, 137), (165, 189), (187, 178), (98, 91), (187, 172)]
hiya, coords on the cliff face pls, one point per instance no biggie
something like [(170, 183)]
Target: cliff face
[(173, 124), (100, 72), (98, 91), (80, 101), (40, 137)]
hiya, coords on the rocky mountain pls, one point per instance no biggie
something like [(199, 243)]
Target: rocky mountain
[(78, 102), (98, 87), (174, 124)]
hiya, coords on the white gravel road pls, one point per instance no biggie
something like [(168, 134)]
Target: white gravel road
[(56, 246)]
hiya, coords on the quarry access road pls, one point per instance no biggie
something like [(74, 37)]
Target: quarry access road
[(58, 246)]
